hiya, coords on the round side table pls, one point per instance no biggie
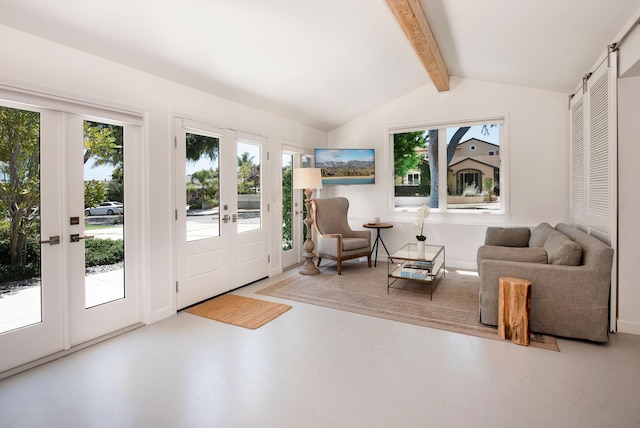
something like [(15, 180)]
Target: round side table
[(376, 244)]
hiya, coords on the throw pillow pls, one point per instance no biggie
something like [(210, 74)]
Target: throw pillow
[(507, 236), (561, 250), (540, 234)]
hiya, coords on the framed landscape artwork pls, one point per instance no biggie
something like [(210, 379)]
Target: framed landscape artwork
[(346, 166)]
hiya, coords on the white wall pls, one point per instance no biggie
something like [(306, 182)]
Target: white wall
[(35, 63), (537, 137)]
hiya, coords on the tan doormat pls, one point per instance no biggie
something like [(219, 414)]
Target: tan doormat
[(363, 290), (238, 310)]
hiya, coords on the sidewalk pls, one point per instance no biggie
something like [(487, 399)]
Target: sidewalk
[(23, 307)]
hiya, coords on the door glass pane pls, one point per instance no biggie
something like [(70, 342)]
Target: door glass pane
[(203, 190), (305, 162), (249, 196), (104, 212), (287, 202), (20, 289)]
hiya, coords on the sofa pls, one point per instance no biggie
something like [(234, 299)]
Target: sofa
[(570, 272)]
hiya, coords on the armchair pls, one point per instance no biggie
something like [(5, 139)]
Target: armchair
[(334, 238)]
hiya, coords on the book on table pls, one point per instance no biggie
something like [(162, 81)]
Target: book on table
[(419, 265), (412, 273)]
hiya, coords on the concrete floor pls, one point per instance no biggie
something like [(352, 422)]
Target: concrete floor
[(319, 367)]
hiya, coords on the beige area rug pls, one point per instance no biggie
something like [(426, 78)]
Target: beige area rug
[(363, 290), (238, 310)]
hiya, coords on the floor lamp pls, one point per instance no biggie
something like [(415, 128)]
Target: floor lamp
[(308, 179)]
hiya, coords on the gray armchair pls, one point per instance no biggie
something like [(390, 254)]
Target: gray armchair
[(334, 238)]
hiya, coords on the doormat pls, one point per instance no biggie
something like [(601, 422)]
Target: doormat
[(238, 310)]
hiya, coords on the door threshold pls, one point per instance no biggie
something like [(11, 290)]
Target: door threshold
[(62, 354)]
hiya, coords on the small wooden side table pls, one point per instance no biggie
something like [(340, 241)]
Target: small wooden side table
[(377, 227), (514, 303)]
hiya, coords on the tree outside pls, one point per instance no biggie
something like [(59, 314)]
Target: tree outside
[(19, 184), (287, 203)]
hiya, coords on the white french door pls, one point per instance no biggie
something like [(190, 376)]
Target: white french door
[(101, 299), (292, 207), (220, 211), (32, 317), (63, 303)]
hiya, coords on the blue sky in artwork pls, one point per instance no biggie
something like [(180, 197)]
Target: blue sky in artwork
[(343, 155)]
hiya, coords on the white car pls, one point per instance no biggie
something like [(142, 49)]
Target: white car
[(105, 208)]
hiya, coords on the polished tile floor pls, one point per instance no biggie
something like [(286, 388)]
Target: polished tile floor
[(318, 367)]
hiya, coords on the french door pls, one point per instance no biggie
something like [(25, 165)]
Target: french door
[(221, 235), (293, 207), (51, 299)]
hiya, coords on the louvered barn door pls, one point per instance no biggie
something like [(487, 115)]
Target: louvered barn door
[(593, 168)]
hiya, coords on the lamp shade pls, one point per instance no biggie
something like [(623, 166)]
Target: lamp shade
[(307, 178)]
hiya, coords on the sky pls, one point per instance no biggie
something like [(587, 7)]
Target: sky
[(100, 173), (476, 132)]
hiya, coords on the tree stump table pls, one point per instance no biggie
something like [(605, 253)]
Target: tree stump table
[(514, 303)]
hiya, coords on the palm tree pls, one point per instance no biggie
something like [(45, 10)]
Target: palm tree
[(202, 178), (245, 165)]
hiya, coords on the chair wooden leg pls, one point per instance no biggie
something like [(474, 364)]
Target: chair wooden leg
[(369, 259), (319, 259), (339, 267)]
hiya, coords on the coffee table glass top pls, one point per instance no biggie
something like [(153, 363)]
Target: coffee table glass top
[(410, 252)]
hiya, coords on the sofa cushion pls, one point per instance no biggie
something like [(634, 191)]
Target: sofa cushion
[(561, 250), (507, 236), (540, 234)]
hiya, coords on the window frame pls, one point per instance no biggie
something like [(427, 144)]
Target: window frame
[(443, 212)]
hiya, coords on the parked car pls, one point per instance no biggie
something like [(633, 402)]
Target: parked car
[(105, 208)]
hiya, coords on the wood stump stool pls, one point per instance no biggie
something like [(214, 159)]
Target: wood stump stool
[(514, 302)]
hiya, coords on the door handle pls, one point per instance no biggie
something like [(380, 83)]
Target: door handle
[(53, 240), (225, 218), (76, 237)]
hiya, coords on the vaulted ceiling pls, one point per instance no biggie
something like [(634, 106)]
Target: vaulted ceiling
[(325, 62)]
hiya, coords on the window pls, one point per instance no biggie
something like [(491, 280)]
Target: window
[(413, 179), (450, 166)]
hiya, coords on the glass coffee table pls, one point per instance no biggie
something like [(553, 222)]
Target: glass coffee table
[(409, 263)]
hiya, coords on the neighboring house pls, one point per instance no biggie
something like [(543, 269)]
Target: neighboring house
[(474, 161)]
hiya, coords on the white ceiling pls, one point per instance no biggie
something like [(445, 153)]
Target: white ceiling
[(325, 62)]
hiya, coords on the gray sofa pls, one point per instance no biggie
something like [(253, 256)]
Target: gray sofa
[(570, 272)]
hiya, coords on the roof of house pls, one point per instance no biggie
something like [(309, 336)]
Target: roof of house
[(493, 161)]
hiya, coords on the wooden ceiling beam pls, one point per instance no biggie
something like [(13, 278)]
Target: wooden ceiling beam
[(413, 21)]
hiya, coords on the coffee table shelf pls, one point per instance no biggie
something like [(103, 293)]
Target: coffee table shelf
[(412, 264)]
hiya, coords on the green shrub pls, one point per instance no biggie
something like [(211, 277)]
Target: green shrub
[(33, 252), (100, 252), (17, 272)]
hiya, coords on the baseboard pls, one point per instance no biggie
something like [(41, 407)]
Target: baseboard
[(631, 327)]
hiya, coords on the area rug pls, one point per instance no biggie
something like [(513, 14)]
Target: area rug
[(363, 290), (238, 310)]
